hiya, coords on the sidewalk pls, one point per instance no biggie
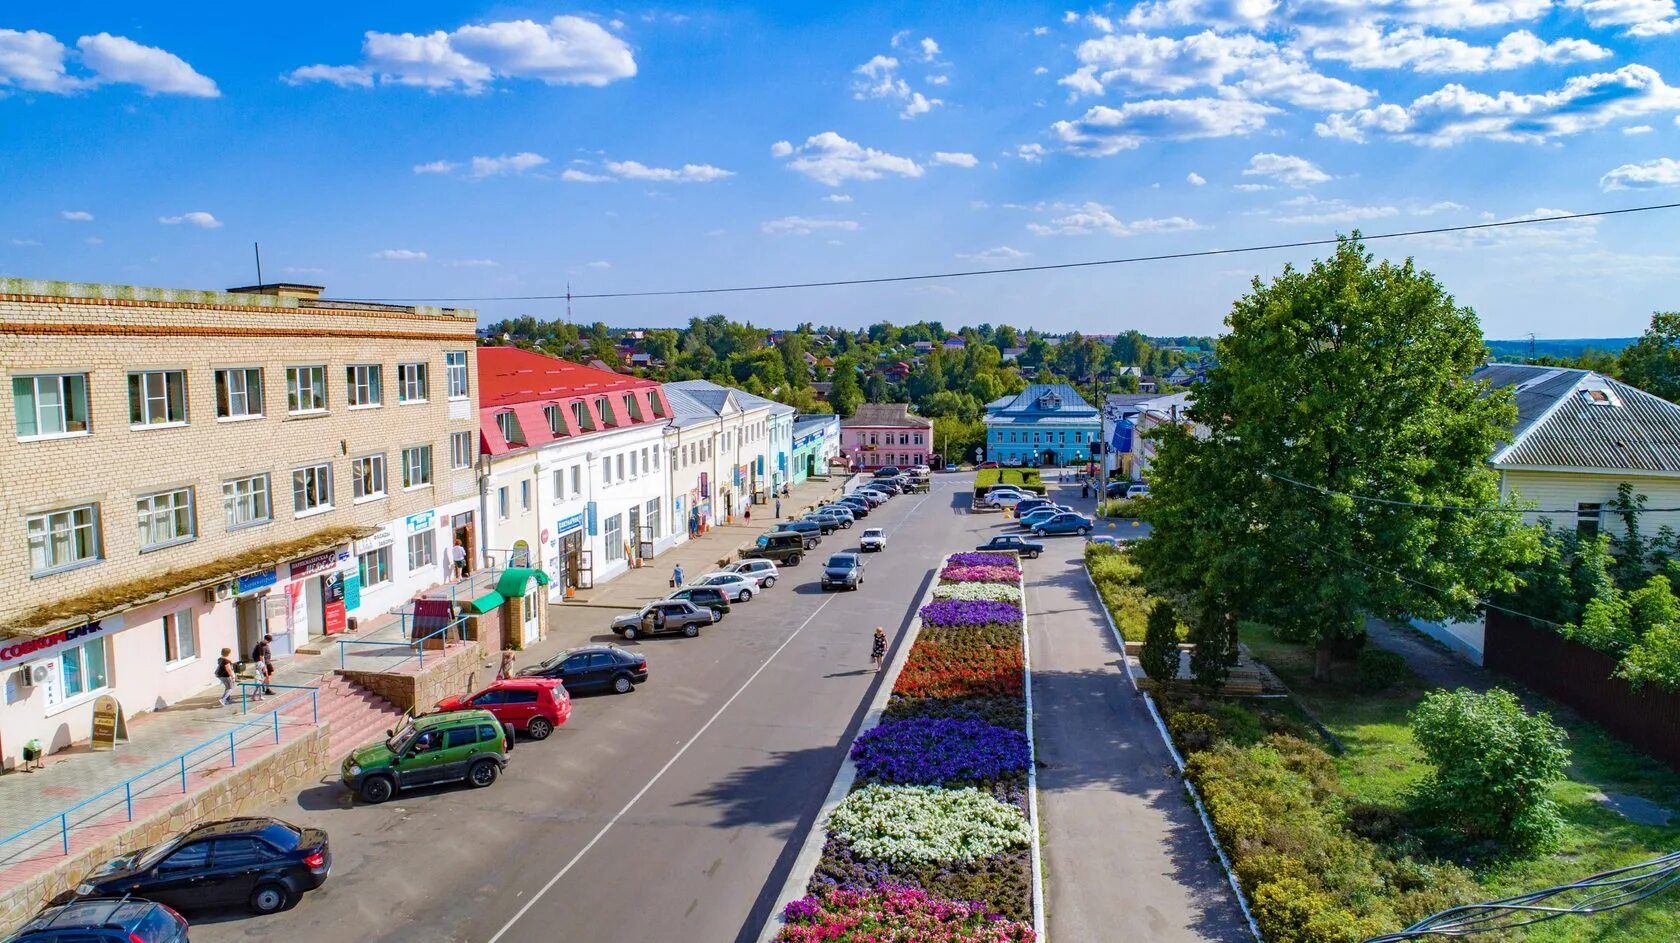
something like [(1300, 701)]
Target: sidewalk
[(1125, 855)]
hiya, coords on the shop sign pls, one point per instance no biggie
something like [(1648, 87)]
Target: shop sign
[(421, 521), (48, 644), (740, 476), (589, 512), (705, 485), (332, 604), (315, 563), (251, 582), (569, 524), (370, 544), (108, 723)]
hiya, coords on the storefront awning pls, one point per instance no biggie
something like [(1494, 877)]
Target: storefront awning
[(486, 603), (516, 579)]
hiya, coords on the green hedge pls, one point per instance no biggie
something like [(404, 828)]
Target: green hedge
[(1120, 582), (1024, 478)]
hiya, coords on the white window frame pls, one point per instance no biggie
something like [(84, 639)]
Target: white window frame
[(417, 467), (361, 488), (634, 472), (154, 391), (312, 478), (509, 426), (652, 518), (552, 414), (79, 654), (364, 385), (310, 379), (61, 383), (504, 508), (42, 530), (233, 496), (160, 508), (455, 374), (606, 470), (422, 549), (414, 382), (577, 481), (612, 531), (460, 450), (239, 393), (381, 558), (178, 626)]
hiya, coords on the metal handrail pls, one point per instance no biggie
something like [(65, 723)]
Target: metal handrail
[(127, 786), (418, 645), (314, 699)]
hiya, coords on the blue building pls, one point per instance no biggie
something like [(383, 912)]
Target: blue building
[(1046, 424)]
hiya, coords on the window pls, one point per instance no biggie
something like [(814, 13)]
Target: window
[(245, 501), (502, 502), (240, 853), (417, 466), (186, 859), (411, 383), (455, 373), (306, 389), (59, 540), (1588, 520), (82, 669), (312, 489), (553, 415), (645, 466), (365, 384), (872, 439), (606, 470), (459, 737), (559, 483), (577, 480), (653, 405), (239, 393), (421, 550), (918, 438), (632, 464), (367, 477), (580, 416), (157, 398), (460, 450), (375, 566), (180, 642), (525, 495), (632, 410), (165, 518), (655, 458), (651, 514), (619, 468), (605, 409), (508, 423), (50, 405), (613, 529)]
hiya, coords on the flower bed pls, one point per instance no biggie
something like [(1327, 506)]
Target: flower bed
[(934, 842)]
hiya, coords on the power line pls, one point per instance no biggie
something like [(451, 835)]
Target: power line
[(1049, 267), (1453, 507)]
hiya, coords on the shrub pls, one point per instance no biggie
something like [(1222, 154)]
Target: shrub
[(1494, 766), (998, 711), (955, 612), (935, 751), (1654, 659), (890, 914), (1193, 731), (1380, 669), (1160, 642), (921, 824), (1118, 507), (1120, 583), (1027, 479)]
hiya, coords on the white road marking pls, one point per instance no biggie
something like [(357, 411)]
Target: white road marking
[(669, 763)]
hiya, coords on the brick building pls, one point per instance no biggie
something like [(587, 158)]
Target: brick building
[(880, 434), (187, 470)]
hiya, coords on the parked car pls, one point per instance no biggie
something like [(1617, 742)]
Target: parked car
[(922, 470), (848, 516), (759, 570), (825, 524), (433, 748), (1065, 523), (261, 863), (891, 487), (118, 919), (843, 571), (874, 498), (709, 596), (886, 471), (1015, 543), (1005, 499), (810, 530), (859, 506), (1106, 539), (1137, 489), (780, 546), (873, 539), (1032, 504), (593, 668), (987, 465), (664, 616), (950, 468), (533, 705), (1011, 463), (1041, 513), (737, 587), (1116, 489), (840, 518)]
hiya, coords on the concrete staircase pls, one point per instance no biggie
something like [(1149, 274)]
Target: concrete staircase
[(357, 716)]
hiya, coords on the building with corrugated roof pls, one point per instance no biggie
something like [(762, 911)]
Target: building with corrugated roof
[(881, 434)]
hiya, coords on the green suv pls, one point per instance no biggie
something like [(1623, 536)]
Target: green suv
[(437, 748)]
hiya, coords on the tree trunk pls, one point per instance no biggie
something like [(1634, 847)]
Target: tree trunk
[(1321, 663)]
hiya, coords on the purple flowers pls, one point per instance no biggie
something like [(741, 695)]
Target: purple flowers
[(939, 750), (956, 612), (981, 559)]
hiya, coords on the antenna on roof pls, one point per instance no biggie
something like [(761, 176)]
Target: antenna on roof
[(256, 247)]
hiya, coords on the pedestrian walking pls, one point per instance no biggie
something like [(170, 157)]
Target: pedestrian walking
[(263, 655), (458, 560), (879, 650), (505, 669), (677, 576), (746, 514), (778, 507), (224, 674)]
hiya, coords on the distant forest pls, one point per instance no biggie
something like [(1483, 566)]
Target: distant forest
[(1523, 349)]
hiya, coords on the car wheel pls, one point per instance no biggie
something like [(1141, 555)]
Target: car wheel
[(717, 615), (1083, 531), (629, 633), (622, 685), (377, 789), (691, 630), (793, 559), (1033, 555), (769, 582), (539, 728), (269, 898), (483, 773), (746, 595)]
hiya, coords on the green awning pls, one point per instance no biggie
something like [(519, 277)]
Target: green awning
[(486, 602), (515, 579)]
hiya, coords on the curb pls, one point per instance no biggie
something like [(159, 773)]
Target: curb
[(1178, 761), (1040, 932)]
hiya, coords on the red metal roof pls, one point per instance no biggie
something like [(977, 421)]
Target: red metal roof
[(524, 383)]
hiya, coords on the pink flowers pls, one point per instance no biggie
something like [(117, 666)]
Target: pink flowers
[(892, 914), (988, 573)]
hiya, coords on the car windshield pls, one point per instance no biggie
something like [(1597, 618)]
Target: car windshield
[(400, 739), (842, 561), (872, 532), (149, 857)]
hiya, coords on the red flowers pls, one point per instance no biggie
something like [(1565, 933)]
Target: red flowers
[(942, 669)]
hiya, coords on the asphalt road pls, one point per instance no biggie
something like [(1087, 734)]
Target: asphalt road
[(672, 813)]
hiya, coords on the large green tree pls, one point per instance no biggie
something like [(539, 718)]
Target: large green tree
[(1652, 363), (845, 394), (1352, 378)]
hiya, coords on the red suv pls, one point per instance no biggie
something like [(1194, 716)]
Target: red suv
[(534, 705)]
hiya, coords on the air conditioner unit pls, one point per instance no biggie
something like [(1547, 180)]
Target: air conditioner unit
[(221, 592), (31, 675)]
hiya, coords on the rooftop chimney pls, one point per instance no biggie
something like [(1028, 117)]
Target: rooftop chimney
[(281, 290)]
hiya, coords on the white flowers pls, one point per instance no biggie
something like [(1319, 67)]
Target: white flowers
[(975, 592), (909, 825)]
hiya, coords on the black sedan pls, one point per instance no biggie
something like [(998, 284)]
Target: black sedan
[(593, 668), (1014, 543), (858, 506), (261, 863), (104, 920)]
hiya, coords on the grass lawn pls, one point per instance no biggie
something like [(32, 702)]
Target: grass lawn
[(1381, 762)]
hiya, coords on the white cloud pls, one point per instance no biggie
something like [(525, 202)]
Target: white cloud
[(399, 255), (573, 175), (303, 270), (837, 198), (566, 50), (37, 62), (1251, 14), (687, 173), (1310, 209), (1237, 64), (953, 159), (1041, 30), (1633, 129), (1250, 187), (1367, 45), (1286, 169), (473, 263), (1640, 17), (830, 159), (1041, 70), (1652, 174), (1563, 234), (938, 80), (1093, 218), (94, 241), (197, 218), (1455, 114), (1228, 13), (1031, 153), (25, 243), (919, 104), (76, 216), (879, 78), (599, 263), (930, 49), (805, 225), (34, 61), (1002, 255), (1195, 179), (506, 165), (436, 167), (1444, 206), (1103, 130)]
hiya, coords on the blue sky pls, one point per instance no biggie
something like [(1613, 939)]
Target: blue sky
[(467, 149)]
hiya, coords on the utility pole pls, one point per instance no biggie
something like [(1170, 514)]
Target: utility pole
[(1531, 355)]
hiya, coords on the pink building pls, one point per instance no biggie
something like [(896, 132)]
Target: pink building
[(886, 434)]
